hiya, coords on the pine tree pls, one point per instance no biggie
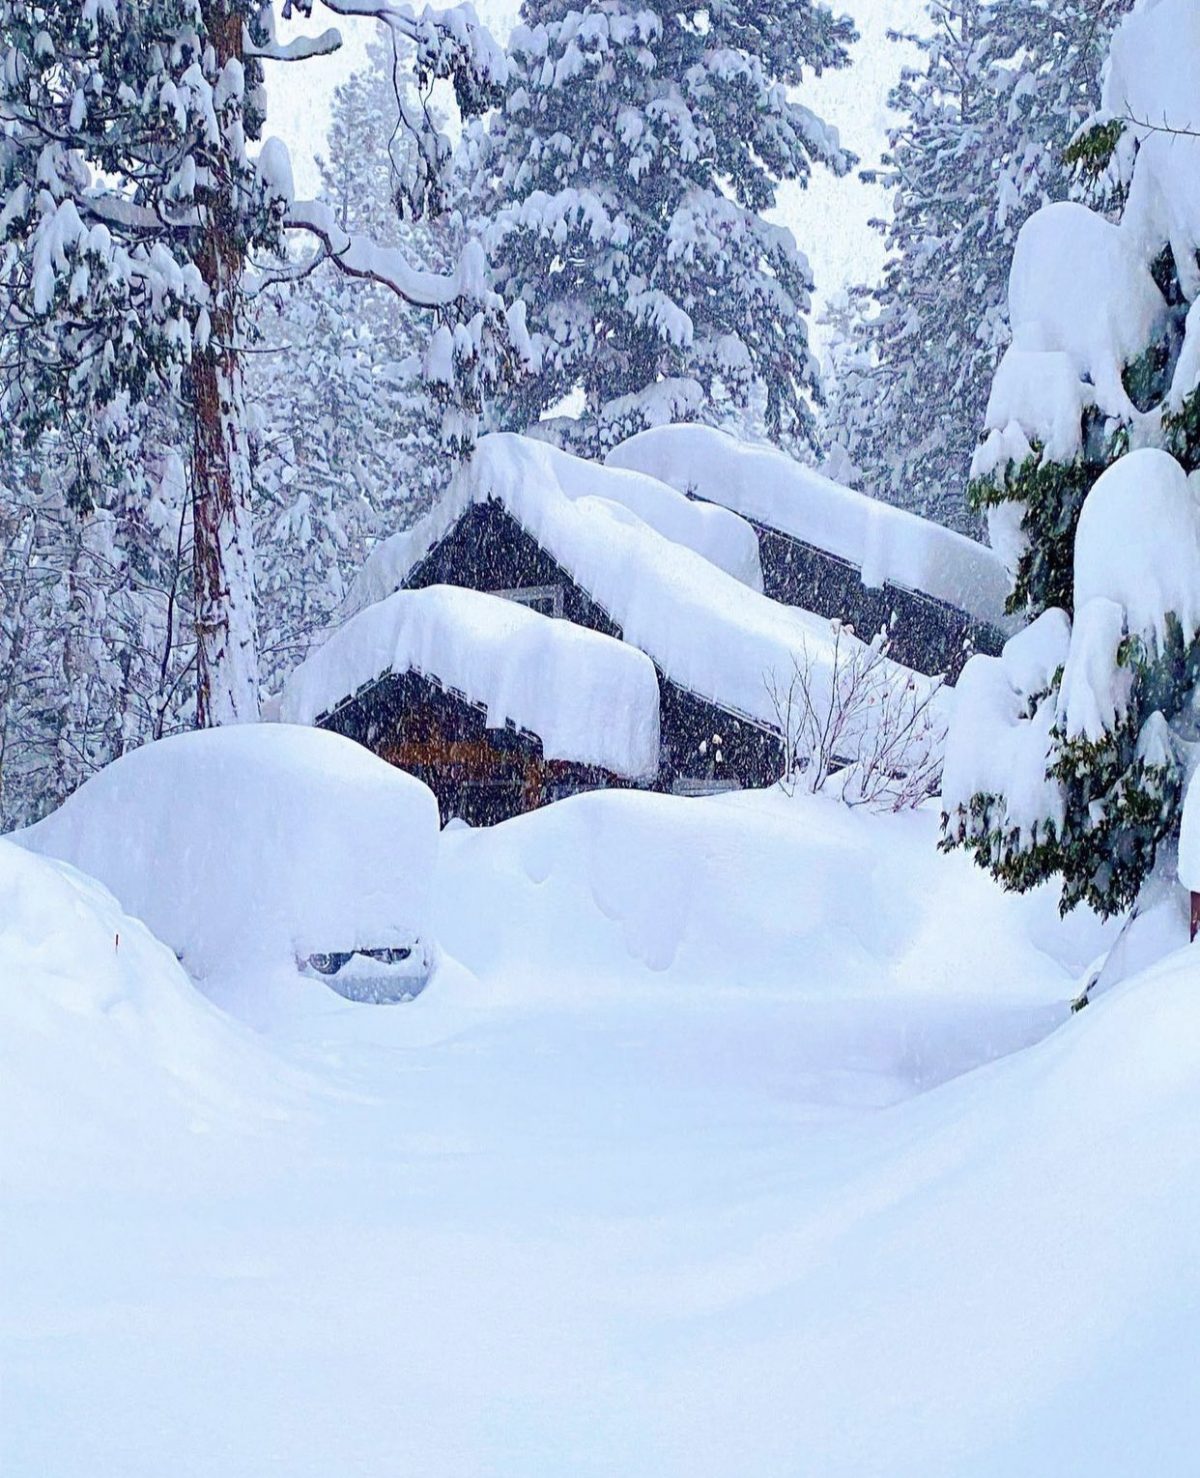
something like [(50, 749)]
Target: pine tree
[(1068, 755), (621, 194), (129, 208), (985, 120)]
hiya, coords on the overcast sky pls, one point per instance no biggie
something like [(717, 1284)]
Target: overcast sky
[(829, 219)]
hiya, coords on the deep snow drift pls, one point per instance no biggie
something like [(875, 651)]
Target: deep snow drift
[(703, 1161)]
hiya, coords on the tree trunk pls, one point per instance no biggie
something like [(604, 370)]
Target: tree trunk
[(222, 535)]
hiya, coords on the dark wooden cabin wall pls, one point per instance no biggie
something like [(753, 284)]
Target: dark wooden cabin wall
[(926, 634), (479, 774), (488, 550), (691, 728)]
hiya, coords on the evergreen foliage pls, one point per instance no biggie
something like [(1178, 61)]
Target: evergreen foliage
[(1000, 91), (621, 193), (1091, 785)]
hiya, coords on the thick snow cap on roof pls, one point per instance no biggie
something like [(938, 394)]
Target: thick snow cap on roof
[(254, 843), (705, 631), (889, 545), (717, 533), (587, 697)]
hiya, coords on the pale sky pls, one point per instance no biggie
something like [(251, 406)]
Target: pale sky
[(829, 219)]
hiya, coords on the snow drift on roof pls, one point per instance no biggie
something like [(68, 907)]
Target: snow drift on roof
[(705, 631), (717, 533), (588, 698), (889, 545)]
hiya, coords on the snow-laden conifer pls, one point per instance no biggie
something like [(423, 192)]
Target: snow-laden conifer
[(985, 117), (131, 200), (624, 187), (1073, 766)]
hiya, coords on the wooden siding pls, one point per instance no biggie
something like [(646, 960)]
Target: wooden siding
[(479, 774), (488, 550), (926, 634)]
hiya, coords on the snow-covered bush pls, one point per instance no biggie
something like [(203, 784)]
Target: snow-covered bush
[(874, 729)]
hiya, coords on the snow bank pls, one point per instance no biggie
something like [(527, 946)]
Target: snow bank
[(1079, 287), (588, 698), (888, 545), (250, 845), (1138, 543), (704, 630), (103, 1035), (782, 899)]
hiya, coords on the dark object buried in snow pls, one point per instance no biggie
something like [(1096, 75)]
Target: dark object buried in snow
[(373, 976)]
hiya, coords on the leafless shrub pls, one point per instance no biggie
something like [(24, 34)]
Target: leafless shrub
[(861, 724)]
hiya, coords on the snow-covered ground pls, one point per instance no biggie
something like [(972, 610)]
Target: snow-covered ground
[(738, 1137)]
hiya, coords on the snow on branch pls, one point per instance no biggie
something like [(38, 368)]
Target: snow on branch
[(299, 49), (361, 257), (449, 43)]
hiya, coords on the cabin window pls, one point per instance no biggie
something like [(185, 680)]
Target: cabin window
[(548, 599), (704, 785)]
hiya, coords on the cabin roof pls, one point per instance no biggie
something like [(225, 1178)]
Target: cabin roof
[(590, 699), (705, 631), (888, 545)]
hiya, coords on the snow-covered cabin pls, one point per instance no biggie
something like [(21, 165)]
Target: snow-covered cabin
[(574, 540), (837, 552), (496, 707)]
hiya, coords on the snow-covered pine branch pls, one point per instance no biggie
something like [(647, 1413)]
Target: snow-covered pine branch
[(1068, 754)]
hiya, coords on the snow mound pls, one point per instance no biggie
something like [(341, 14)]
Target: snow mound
[(1079, 287), (781, 898), (1095, 688), (1138, 543), (1034, 654), (995, 749), (588, 698), (705, 631), (245, 847), (100, 1027), (888, 545)]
